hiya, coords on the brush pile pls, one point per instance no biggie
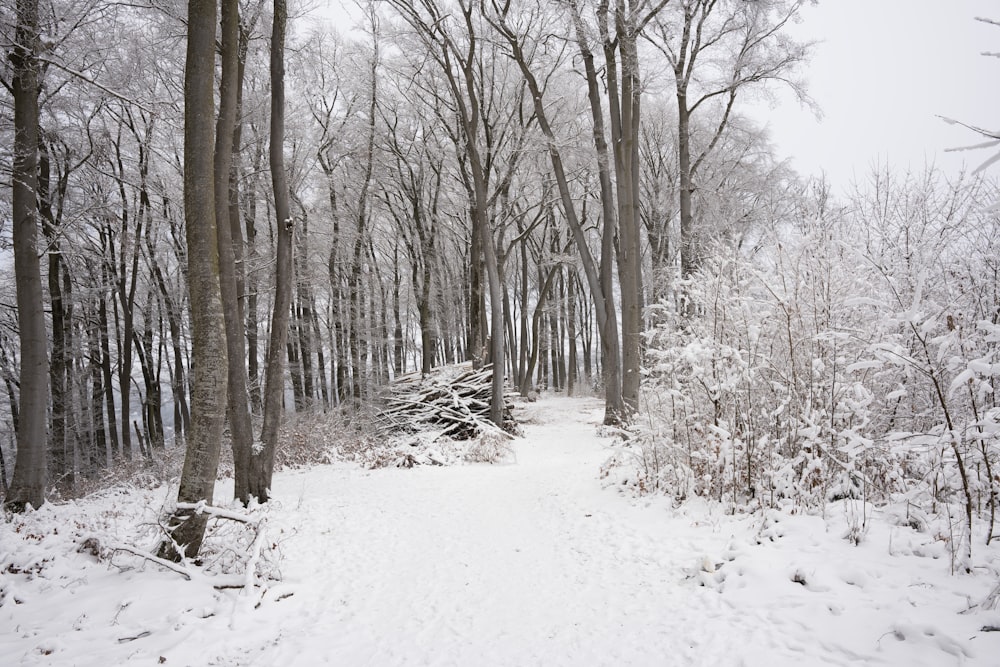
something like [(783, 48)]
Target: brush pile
[(444, 417), (452, 402)]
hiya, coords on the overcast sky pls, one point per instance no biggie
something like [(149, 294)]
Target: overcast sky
[(882, 73)]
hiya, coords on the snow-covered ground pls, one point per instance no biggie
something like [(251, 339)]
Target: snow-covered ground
[(527, 563)]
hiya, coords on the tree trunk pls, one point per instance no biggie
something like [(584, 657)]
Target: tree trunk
[(150, 398), (624, 97), (398, 344), (571, 376), (304, 331), (109, 390), (476, 347), (28, 485), (689, 261), (238, 407), (126, 274), (177, 384), (359, 344), (523, 376), (96, 402), (496, 324), (294, 367), (317, 336), (152, 419), (208, 340), (60, 449), (262, 462), (251, 280)]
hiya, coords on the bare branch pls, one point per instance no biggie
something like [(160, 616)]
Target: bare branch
[(99, 86), (218, 512), (174, 567)]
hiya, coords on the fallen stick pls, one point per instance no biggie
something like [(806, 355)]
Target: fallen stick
[(170, 565)]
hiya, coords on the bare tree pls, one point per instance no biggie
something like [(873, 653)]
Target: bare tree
[(28, 485), (208, 391), (620, 203), (239, 407), (991, 137), (412, 200), (717, 49), (262, 461)]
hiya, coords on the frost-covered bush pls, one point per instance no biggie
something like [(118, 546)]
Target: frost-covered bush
[(490, 447), (852, 354)]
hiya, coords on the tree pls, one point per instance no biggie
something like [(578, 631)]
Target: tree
[(658, 197), (262, 460), (716, 50), (412, 198), (621, 204), (225, 180), (208, 339), (28, 485)]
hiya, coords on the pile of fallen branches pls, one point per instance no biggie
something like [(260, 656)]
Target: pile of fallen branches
[(450, 404)]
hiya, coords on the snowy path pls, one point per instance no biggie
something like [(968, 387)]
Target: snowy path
[(526, 564), (536, 564), (506, 565)]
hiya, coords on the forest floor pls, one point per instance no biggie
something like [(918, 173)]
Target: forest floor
[(533, 562)]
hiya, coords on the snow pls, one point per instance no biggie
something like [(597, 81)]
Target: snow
[(536, 562)]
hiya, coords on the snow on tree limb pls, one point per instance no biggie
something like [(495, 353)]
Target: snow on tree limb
[(204, 508), (162, 562)]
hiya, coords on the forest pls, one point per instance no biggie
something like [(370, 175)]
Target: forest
[(219, 223)]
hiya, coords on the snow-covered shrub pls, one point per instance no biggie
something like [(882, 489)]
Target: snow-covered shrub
[(752, 395), (490, 447), (142, 473), (847, 355), (317, 437)]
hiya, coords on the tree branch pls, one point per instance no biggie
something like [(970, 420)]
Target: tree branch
[(99, 86)]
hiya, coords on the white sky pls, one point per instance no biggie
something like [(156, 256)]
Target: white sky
[(883, 72)]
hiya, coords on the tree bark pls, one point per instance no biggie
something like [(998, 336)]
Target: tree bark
[(624, 94), (209, 363), (109, 392), (262, 462), (238, 408), (689, 261), (60, 363), (28, 485), (571, 333)]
